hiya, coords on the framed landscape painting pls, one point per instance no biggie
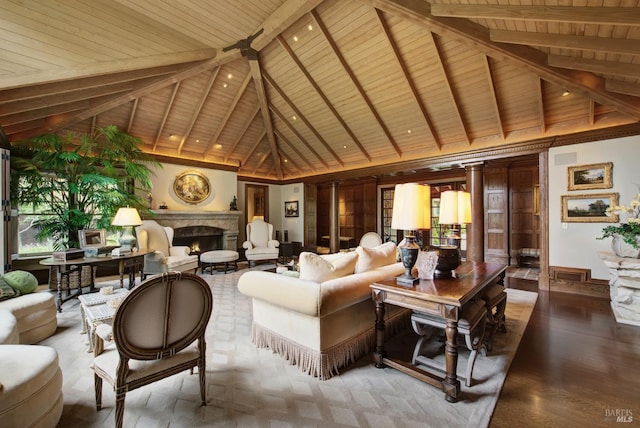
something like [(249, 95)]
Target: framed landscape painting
[(588, 208), (593, 176)]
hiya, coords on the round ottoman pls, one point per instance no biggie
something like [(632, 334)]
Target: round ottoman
[(8, 328), (31, 393), (211, 259), (35, 315)]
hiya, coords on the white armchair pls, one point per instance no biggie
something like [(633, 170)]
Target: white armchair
[(259, 244), (166, 257)]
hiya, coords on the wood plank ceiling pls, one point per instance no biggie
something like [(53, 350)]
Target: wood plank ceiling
[(320, 87)]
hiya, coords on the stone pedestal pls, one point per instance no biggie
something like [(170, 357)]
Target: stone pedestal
[(624, 282)]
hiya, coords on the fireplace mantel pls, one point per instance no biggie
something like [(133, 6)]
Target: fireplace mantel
[(225, 220)]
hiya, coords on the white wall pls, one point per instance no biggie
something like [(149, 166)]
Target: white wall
[(575, 244), (295, 225), (223, 188)]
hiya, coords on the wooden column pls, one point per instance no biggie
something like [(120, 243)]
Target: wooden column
[(475, 230), (334, 219), (543, 176)]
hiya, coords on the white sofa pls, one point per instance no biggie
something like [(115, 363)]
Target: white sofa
[(166, 257), (324, 319), (30, 380)]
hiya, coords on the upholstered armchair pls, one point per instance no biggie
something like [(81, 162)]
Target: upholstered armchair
[(166, 257), (158, 331), (259, 244)]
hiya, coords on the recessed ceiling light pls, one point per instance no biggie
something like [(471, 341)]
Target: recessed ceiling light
[(566, 93), (229, 76), (310, 27), (295, 38), (408, 131), (217, 146), (225, 85), (294, 117), (286, 160), (344, 147), (197, 141)]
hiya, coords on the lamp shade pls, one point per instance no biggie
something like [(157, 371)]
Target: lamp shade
[(127, 217), (411, 207), (455, 207)]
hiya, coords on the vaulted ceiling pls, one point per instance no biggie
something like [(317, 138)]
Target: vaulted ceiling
[(295, 89)]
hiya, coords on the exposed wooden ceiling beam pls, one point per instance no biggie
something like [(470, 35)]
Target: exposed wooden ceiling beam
[(303, 118), (198, 108), (445, 78), (295, 150), (82, 84), (494, 98), (595, 66), (167, 109), (246, 125), (319, 91), (132, 115), (467, 32), (64, 98), (297, 134), (285, 16), (623, 87), (198, 68), (256, 73), (253, 148), (407, 77), (575, 14), (99, 68), (567, 41), (543, 123), (227, 115), (354, 79)]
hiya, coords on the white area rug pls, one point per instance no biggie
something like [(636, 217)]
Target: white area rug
[(249, 387)]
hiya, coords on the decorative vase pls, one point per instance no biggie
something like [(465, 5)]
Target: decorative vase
[(622, 249)]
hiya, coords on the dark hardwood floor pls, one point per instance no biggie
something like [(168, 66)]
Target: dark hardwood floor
[(575, 367)]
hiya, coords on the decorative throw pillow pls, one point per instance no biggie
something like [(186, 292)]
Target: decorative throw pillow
[(22, 281), (372, 258), (323, 268), (6, 291)]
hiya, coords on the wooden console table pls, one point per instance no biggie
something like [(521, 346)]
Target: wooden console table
[(134, 262), (438, 297)]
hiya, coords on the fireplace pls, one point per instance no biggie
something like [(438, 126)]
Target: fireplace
[(225, 224), (199, 238)]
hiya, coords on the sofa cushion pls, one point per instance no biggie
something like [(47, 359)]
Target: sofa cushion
[(6, 291), (323, 268), (372, 258), (22, 281)]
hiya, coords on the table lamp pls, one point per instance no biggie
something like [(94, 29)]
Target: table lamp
[(455, 209), (127, 218), (411, 211)]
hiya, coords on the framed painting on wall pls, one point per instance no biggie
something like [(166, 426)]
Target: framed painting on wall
[(589, 208), (593, 176), (291, 209), (192, 187)]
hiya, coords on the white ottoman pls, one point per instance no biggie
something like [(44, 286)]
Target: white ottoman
[(35, 315), (31, 393), (8, 328), (211, 259)]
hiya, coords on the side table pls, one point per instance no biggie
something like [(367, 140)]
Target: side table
[(94, 310)]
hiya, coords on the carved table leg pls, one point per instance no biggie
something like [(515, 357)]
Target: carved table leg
[(379, 353), (451, 384)]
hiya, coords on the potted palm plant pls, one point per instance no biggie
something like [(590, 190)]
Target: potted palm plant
[(79, 180)]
